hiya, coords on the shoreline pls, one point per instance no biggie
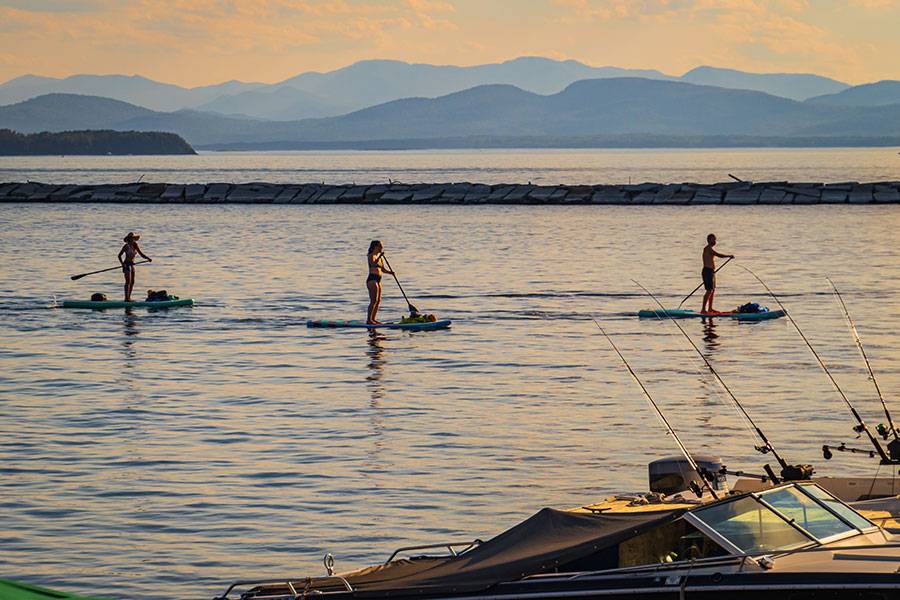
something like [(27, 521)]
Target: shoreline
[(643, 194)]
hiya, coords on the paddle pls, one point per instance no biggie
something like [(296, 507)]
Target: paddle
[(77, 277), (413, 311), (686, 298)]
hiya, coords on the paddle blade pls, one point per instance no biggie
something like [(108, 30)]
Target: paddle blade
[(77, 277)]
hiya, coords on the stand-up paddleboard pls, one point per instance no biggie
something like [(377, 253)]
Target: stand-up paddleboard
[(680, 313), (338, 324), (101, 304)]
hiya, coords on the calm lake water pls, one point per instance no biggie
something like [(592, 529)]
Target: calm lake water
[(151, 454), (481, 166)]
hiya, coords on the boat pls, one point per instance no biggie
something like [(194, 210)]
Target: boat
[(106, 304), (793, 540), (411, 326), (684, 313)]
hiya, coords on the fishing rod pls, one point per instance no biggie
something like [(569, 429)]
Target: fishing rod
[(789, 472), (701, 473), (893, 446), (860, 426), (862, 351)]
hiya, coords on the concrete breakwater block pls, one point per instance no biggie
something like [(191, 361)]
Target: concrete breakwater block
[(684, 194)]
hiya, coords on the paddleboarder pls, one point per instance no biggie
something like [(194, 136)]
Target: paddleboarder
[(709, 272), (126, 259), (375, 258)]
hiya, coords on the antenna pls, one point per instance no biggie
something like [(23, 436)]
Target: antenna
[(788, 472), (861, 426), (662, 416)]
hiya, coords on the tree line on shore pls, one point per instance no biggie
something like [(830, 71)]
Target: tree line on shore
[(91, 142)]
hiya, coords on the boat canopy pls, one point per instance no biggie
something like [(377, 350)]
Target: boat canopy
[(544, 543)]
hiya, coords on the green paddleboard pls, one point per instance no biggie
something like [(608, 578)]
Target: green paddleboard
[(103, 304)]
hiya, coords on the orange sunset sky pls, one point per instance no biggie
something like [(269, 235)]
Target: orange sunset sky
[(198, 42)]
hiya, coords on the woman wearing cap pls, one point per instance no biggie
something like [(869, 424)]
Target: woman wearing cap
[(126, 259)]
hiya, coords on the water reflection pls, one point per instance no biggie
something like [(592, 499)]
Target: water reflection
[(130, 323), (710, 337), (375, 353)]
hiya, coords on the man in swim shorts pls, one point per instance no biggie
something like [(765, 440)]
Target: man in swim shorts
[(709, 272)]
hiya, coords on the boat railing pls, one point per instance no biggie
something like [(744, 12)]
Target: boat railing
[(297, 586), (450, 546)]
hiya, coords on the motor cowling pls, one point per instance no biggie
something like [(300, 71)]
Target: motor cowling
[(674, 474)]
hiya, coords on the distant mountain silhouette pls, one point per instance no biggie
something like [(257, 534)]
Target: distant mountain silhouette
[(796, 86), (68, 112), (590, 107), (597, 107), (372, 82), (132, 89), (881, 93), (283, 103)]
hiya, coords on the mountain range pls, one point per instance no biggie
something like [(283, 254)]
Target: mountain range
[(372, 82), (619, 106)]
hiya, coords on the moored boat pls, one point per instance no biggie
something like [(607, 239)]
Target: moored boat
[(793, 540)]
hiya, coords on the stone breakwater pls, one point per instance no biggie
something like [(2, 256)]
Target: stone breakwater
[(733, 193)]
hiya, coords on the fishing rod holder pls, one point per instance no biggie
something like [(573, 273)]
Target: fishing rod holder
[(893, 448), (788, 473)]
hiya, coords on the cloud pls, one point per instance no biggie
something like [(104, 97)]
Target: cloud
[(875, 4), (203, 41)]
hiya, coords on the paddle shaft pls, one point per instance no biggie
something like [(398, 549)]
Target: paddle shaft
[(688, 297), (412, 308), (76, 277)]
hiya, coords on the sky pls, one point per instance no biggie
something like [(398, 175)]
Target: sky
[(200, 42)]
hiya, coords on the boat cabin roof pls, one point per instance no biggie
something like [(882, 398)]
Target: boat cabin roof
[(780, 519)]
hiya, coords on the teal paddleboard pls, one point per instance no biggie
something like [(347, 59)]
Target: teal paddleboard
[(338, 324), (101, 304), (680, 313)]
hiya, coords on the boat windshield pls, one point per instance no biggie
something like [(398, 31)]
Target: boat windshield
[(781, 519)]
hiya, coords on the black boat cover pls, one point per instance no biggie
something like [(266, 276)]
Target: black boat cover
[(540, 544)]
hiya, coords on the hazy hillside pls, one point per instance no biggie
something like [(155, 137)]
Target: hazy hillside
[(796, 86), (870, 94), (284, 103), (64, 112), (372, 82), (597, 107), (133, 89)]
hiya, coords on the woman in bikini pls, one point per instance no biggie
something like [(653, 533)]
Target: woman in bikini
[(373, 281), (126, 259)]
